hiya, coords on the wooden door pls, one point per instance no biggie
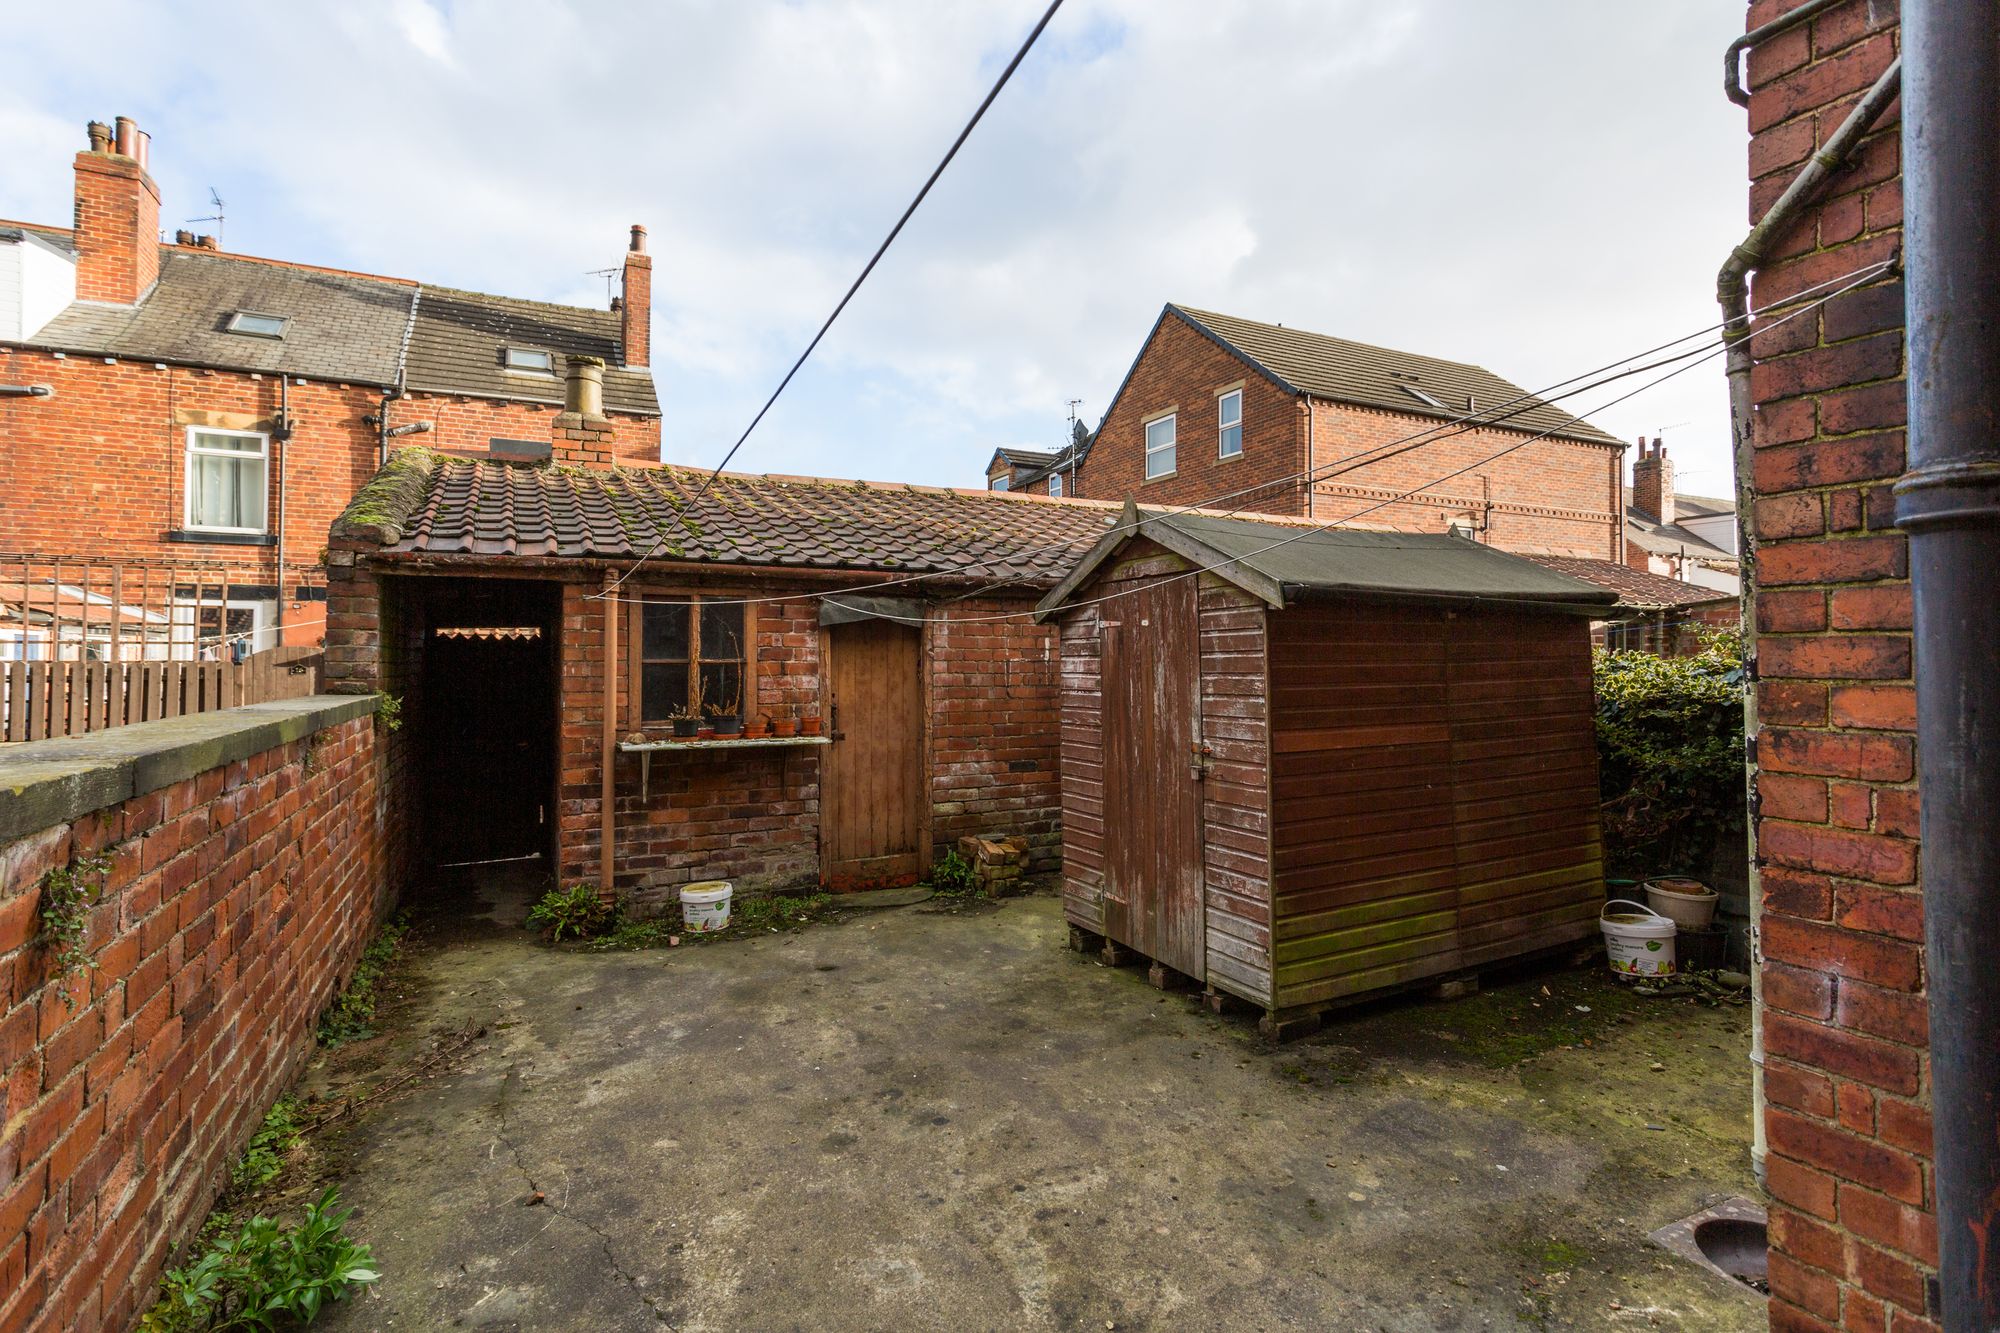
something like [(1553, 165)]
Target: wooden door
[(1152, 791), (872, 800)]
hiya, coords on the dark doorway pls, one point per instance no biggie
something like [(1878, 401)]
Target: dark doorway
[(487, 738)]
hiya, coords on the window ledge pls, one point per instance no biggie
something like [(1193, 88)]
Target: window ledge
[(1164, 476), (1229, 458), (198, 537)]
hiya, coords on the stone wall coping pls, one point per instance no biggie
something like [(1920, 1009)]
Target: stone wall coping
[(45, 783)]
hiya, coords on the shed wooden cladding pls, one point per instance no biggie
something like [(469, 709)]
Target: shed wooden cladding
[(1341, 793)]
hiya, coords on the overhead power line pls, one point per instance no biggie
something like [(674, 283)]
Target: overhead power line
[(866, 269)]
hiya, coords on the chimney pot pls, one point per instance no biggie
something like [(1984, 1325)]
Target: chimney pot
[(583, 387), (100, 136), (184, 237), (128, 136), (638, 239), (206, 242)]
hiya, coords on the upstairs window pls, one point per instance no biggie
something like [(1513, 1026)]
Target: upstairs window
[(694, 658), (530, 361), (998, 483), (254, 325), (1055, 483), (1423, 397), (226, 479), (1229, 424), (1160, 437)]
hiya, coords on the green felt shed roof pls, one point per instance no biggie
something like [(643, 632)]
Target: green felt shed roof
[(1281, 561)]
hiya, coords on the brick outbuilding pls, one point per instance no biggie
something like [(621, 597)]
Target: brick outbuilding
[(887, 629)]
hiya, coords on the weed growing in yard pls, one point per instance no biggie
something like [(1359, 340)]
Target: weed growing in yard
[(269, 1147), (352, 1013), (953, 874), (576, 909), (389, 712), (67, 893), (265, 1276)]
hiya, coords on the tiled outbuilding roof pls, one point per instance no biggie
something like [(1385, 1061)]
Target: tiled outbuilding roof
[(1637, 589), (337, 326), (434, 505), (459, 341), (1352, 372)]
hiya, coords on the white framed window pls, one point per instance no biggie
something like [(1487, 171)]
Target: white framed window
[(227, 479), (997, 483), (1229, 424), (530, 361), (1055, 483), (1423, 397), (1160, 440)]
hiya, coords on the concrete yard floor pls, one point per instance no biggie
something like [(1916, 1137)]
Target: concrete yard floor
[(928, 1118)]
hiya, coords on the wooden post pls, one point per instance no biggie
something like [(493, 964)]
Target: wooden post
[(607, 819)]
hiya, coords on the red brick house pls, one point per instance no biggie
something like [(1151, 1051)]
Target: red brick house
[(895, 619), (1691, 538), (1237, 413), (172, 404)]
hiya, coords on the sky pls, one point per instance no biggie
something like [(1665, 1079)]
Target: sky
[(1537, 186)]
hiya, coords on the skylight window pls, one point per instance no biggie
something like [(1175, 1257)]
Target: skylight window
[(1422, 397), (531, 361), (254, 325)]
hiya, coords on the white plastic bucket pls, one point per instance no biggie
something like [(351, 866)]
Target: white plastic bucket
[(705, 905), (1641, 943)]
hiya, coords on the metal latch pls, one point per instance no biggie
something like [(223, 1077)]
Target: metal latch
[(1199, 758)]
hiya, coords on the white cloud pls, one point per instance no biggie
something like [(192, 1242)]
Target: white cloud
[(1532, 186)]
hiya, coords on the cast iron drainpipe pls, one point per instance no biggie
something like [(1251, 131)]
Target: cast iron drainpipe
[(1732, 290), (1949, 504)]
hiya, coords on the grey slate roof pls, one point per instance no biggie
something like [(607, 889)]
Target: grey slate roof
[(1352, 372), (1645, 530), (1277, 561), (55, 239), (426, 503), (340, 327), (459, 339)]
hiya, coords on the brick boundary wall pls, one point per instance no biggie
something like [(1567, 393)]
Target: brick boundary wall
[(1853, 1233), (252, 853)]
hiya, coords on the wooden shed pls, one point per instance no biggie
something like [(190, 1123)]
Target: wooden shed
[(1301, 764)]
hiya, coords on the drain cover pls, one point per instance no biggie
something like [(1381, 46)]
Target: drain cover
[(1728, 1240)]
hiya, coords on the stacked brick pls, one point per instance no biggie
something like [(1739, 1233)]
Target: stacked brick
[(235, 902), (1853, 1237), (998, 864)]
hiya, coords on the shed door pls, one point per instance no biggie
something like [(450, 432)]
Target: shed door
[(872, 796), (1152, 796)]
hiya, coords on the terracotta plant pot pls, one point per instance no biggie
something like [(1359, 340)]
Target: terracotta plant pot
[(784, 726), (757, 730), (705, 734), (809, 726)]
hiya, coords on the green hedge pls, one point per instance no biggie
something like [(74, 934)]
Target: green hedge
[(1670, 754)]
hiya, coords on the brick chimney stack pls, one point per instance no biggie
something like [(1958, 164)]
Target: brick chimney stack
[(581, 435), (636, 307), (117, 221), (1653, 482)]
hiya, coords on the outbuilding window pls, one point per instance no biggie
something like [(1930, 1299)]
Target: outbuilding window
[(1160, 437), (1229, 424), (226, 479), (694, 658)]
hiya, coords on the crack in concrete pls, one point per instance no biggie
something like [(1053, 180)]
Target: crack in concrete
[(561, 1210)]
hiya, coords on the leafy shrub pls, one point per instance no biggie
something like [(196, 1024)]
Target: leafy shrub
[(67, 893), (1670, 752), (269, 1147), (351, 1016), (953, 874), (265, 1276), (575, 909)]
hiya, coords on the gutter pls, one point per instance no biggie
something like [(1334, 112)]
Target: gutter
[(1949, 505), (1732, 291)]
